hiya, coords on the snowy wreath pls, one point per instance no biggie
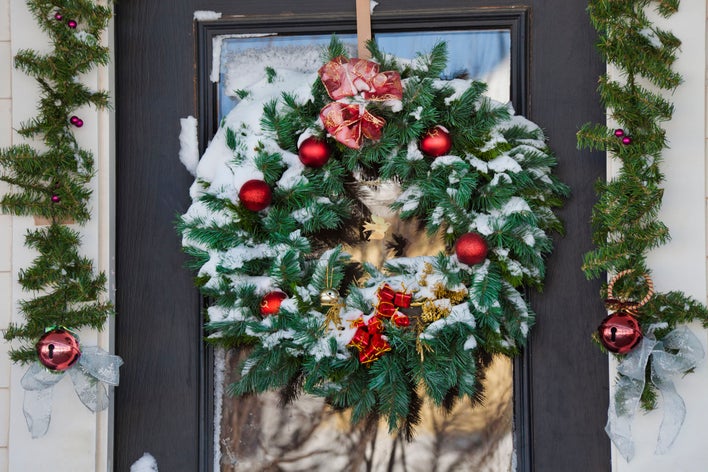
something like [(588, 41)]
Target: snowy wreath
[(287, 191)]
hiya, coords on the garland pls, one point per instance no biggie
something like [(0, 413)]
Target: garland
[(278, 199), (625, 218), (52, 184)]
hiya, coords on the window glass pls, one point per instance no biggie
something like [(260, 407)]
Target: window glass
[(256, 432)]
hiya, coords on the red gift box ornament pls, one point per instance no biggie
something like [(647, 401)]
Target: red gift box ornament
[(376, 348), (343, 77)]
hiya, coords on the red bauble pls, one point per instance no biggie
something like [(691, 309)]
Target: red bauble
[(255, 195), (58, 349), (471, 248), (314, 152), (436, 141), (620, 332), (271, 301)]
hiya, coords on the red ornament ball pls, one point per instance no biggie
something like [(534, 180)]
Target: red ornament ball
[(314, 152), (255, 195), (271, 301), (627, 140), (620, 332), (471, 248), (72, 24), (619, 132), (436, 141), (58, 349)]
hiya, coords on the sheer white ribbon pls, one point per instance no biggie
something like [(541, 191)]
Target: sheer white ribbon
[(679, 352), (94, 370)]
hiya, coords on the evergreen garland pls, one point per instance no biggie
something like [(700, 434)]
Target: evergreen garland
[(496, 180), (52, 182), (625, 218)]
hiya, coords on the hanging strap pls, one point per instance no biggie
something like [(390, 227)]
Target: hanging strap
[(363, 27)]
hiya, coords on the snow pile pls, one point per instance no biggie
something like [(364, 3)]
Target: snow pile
[(189, 144), (147, 463)]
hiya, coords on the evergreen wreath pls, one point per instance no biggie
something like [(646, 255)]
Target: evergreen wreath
[(272, 215)]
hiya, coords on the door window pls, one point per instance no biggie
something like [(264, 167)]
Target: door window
[(257, 433)]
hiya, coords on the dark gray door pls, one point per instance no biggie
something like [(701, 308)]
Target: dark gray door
[(163, 402)]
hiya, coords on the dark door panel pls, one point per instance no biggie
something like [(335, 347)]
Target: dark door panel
[(163, 403)]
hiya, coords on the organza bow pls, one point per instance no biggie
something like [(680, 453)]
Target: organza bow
[(677, 353), (342, 78), (94, 368)]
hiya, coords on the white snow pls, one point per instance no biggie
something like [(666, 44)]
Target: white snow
[(445, 161), (147, 463), (504, 163), (206, 15), (216, 50), (413, 153), (189, 144)]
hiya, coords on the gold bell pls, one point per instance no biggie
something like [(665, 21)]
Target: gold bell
[(329, 297)]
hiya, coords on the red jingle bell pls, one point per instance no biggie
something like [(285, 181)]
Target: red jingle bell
[(314, 152), (271, 301), (436, 141), (255, 195), (620, 332), (58, 349), (471, 248)]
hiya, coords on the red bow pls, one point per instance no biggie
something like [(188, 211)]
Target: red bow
[(347, 123), (344, 77)]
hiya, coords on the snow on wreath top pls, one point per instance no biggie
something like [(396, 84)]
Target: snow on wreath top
[(279, 202)]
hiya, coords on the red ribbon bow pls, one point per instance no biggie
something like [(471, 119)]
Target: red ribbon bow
[(344, 77)]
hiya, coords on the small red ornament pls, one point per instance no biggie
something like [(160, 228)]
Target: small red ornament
[(56, 198), (436, 141), (76, 121), (72, 24), (58, 349), (471, 248), (627, 140), (271, 301), (620, 332), (255, 195), (619, 132), (314, 152), (58, 16)]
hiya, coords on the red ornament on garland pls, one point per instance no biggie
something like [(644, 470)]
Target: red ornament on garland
[(271, 301), (620, 332), (255, 195), (72, 24), (58, 349), (436, 141), (471, 248), (627, 140), (619, 132), (314, 152)]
